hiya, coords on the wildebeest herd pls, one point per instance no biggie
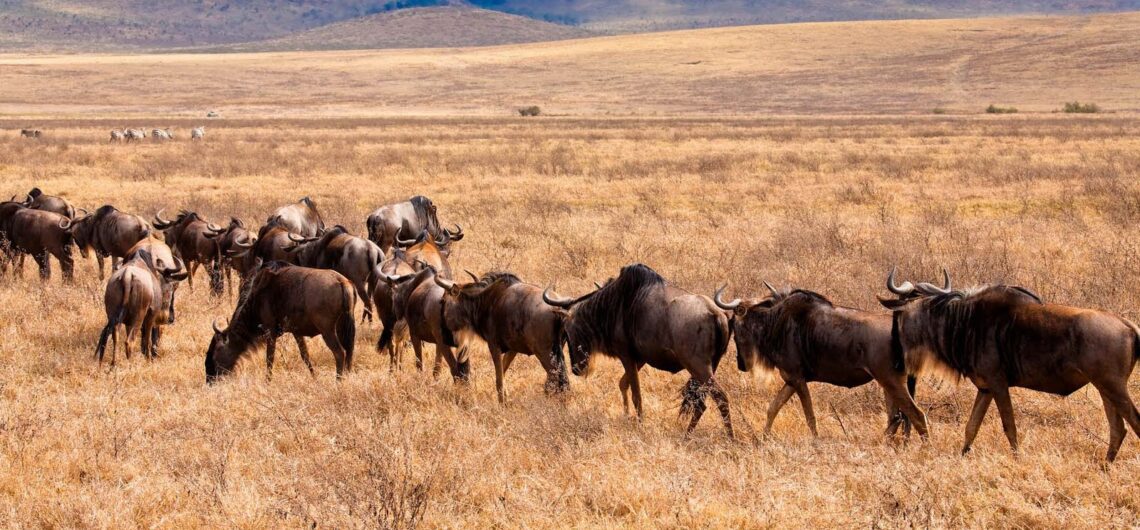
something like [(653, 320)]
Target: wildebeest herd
[(298, 276)]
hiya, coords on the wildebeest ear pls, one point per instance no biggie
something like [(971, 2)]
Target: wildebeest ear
[(892, 303)]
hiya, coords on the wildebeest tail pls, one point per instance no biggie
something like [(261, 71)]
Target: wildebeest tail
[(556, 356), (720, 340), (114, 321), (1135, 339), (898, 359), (346, 326)]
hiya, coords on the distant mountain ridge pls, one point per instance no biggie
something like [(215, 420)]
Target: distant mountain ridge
[(123, 25)]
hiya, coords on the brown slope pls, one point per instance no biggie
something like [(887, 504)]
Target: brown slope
[(429, 27)]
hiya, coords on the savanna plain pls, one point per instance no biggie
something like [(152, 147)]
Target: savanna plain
[(707, 197)]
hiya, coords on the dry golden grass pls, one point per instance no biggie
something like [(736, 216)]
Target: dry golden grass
[(1032, 63), (1050, 202)]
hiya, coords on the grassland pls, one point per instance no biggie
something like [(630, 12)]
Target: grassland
[(1047, 201)]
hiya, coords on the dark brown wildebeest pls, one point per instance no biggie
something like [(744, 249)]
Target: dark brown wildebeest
[(139, 297), (428, 251), (271, 244), (808, 339), (1003, 336), (284, 298), (24, 231), (109, 232), (193, 239), (301, 218), (640, 319), (37, 200), (337, 249), (406, 220), (511, 318), (383, 300), (31, 133), (233, 243), (418, 301)]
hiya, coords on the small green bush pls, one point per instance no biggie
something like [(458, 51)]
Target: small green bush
[(1082, 108), (994, 109), (939, 110), (532, 110)]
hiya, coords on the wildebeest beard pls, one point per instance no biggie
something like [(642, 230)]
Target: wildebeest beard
[(960, 328), (596, 318)]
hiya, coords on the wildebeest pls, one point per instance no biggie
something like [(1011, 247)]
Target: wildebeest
[(337, 249), (233, 244), (808, 339), (193, 239), (38, 200), (406, 220), (118, 136), (134, 134), (109, 232), (417, 300), (284, 298), (198, 133), (1003, 336), (37, 233), (639, 318), (31, 133), (511, 318), (404, 261), (160, 135), (301, 218), (140, 297)]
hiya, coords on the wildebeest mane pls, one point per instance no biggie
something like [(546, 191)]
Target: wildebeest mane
[(424, 210), (787, 331), (600, 314)]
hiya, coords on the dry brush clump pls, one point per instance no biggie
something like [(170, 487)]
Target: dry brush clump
[(823, 203)]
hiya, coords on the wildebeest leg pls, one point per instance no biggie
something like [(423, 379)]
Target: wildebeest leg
[(67, 265), (1116, 431), (631, 369), (44, 265), (497, 360), (1005, 408), (693, 402), (721, 399), (417, 347), (301, 347), (981, 405), (440, 353), (1117, 392), (99, 260), (899, 399), (193, 265), (145, 338), (339, 354), (155, 336), (623, 385), (805, 401), (894, 415), (777, 403), (270, 353), (508, 358)]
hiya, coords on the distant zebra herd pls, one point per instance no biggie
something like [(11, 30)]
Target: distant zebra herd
[(158, 135)]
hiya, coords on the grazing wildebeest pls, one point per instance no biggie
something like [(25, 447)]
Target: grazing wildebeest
[(160, 135), (139, 297), (31, 133), (511, 318), (193, 239), (118, 136), (37, 233), (284, 298), (37, 200), (1003, 336), (233, 244), (198, 133), (418, 302), (337, 249), (406, 220), (808, 339), (109, 232), (134, 134), (640, 319), (301, 218)]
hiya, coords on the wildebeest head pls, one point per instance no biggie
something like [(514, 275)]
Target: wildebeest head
[(82, 229), (463, 303), (768, 324)]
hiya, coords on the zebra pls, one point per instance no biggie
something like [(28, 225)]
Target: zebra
[(161, 135), (30, 133), (198, 133), (118, 136), (134, 134)]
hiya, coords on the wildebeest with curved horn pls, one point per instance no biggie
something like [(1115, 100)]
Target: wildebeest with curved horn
[(193, 239), (284, 298), (337, 249), (140, 297), (301, 218), (233, 244), (38, 200), (511, 318), (109, 232), (406, 220), (1003, 336), (640, 319), (418, 301), (404, 261), (271, 244), (806, 338), (37, 233)]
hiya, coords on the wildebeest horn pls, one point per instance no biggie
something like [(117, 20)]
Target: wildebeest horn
[(597, 285), (397, 279), (902, 290), (159, 222), (564, 303), (721, 303), (214, 228), (446, 284), (65, 223), (443, 239), (474, 278), (456, 234), (771, 289), (84, 210), (928, 288), (244, 244), (300, 239), (214, 324), (406, 242)]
